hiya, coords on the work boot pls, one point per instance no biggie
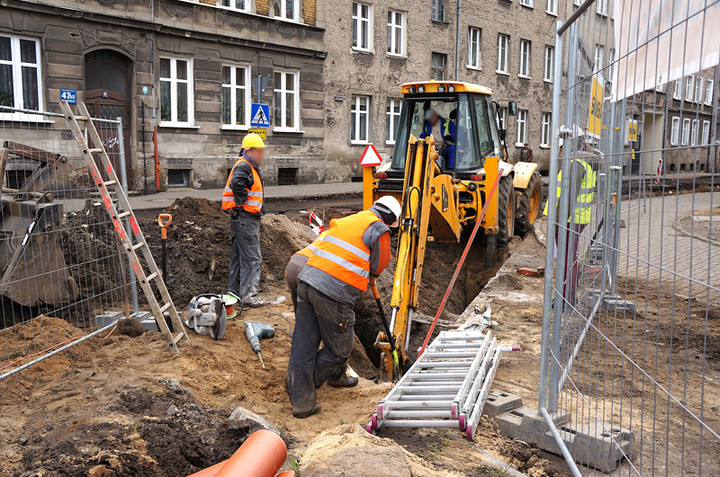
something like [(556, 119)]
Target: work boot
[(252, 302), (303, 415), (344, 381)]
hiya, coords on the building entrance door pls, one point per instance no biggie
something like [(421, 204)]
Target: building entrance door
[(107, 96)]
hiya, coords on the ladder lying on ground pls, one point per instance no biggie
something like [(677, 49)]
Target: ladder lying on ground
[(94, 145), (446, 387)]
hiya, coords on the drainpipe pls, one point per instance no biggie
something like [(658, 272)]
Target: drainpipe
[(457, 42)]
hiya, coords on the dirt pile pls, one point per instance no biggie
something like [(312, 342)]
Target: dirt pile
[(350, 450), (34, 336), (199, 241), (139, 433)]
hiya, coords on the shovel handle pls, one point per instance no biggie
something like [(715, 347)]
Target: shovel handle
[(164, 221), (375, 292)]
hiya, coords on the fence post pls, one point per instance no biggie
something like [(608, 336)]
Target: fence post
[(551, 218)]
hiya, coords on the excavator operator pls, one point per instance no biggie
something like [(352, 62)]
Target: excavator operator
[(445, 135)]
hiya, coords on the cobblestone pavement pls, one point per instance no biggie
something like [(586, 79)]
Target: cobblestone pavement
[(652, 248)]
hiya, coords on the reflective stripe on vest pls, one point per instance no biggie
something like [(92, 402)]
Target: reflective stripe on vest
[(341, 252), (582, 205), (254, 201)]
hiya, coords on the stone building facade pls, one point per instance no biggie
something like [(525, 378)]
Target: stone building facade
[(376, 45), (187, 66)]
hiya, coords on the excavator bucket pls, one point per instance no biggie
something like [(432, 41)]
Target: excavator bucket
[(33, 270)]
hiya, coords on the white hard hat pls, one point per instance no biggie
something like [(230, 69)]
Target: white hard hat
[(391, 203)]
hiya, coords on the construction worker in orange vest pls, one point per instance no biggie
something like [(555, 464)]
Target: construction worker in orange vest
[(243, 199), (340, 264)]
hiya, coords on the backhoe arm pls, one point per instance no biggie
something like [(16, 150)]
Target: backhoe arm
[(420, 169)]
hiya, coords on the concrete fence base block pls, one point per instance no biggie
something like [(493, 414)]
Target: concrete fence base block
[(598, 446)]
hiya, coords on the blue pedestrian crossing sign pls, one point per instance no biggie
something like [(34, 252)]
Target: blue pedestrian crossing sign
[(260, 115)]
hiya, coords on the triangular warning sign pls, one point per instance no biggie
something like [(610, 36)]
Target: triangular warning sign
[(370, 157), (260, 117)]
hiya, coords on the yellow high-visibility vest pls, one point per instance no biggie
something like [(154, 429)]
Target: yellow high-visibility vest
[(586, 194)]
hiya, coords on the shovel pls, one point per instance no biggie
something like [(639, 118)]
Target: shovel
[(163, 221), (396, 361)]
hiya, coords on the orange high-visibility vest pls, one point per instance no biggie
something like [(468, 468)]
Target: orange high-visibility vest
[(341, 252), (310, 249), (254, 201)]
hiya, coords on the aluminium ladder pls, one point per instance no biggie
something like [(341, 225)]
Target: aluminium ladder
[(106, 187), (446, 387)]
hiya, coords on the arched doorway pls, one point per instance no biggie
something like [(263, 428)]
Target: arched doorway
[(107, 95)]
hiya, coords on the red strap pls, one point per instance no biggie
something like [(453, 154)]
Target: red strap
[(460, 263)]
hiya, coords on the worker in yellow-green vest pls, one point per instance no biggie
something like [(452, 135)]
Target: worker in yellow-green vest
[(243, 199), (582, 188)]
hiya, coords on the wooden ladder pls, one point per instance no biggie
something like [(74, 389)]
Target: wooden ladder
[(94, 145)]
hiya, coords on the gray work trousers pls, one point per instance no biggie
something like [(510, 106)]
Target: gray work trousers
[(245, 258), (292, 270), (318, 317)]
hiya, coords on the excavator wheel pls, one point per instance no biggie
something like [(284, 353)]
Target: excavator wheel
[(506, 211), (530, 202)]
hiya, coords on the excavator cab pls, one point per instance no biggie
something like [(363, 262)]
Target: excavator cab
[(448, 157)]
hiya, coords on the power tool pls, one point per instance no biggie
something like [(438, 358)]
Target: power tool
[(256, 331)]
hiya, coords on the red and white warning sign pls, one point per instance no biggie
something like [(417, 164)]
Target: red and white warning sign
[(370, 157)]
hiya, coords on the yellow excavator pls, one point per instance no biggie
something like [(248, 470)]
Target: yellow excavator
[(450, 149)]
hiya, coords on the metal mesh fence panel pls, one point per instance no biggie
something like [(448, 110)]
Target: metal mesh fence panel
[(631, 334), (61, 263)]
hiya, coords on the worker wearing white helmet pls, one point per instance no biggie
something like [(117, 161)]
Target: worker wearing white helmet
[(339, 266)]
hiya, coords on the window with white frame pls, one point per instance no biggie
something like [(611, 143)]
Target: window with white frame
[(521, 138), (502, 53), (675, 131), (552, 7), (392, 119), (699, 89), (599, 57), (709, 91), (396, 33), (362, 26), (601, 7), (527, 3), (236, 96), (706, 132), (286, 107), (438, 10), (694, 134), (686, 132), (285, 9), (501, 118), (677, 91), (689, 88), (474, 58), (360, 120), (545, 130), (176, 92), (611, 65), (20, 76), (438, 66), (242, 5), (524, 70), (549, 63)]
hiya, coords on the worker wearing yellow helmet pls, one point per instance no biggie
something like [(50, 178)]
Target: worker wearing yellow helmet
[(243, 199)]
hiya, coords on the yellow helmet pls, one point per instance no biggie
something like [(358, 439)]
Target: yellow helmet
[(253, 141)]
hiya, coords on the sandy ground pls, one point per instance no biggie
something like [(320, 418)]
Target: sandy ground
[(117, 405)]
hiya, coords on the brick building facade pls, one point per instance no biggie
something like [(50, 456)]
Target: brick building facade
[(374, 46), (189, 65)]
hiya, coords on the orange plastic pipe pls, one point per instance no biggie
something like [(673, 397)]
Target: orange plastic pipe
[(287, 473), (210, 471), (261, 455)]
